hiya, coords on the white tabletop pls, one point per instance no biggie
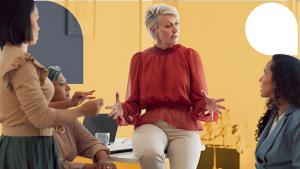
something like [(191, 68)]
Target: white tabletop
[(129, 157)]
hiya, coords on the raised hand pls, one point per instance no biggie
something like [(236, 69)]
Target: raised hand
[(212, 104), (91, 107), (117, 110), (79, 97)]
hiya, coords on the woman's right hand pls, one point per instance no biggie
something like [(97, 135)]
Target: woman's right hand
[(91, 107), (117, 110), (79, 97)]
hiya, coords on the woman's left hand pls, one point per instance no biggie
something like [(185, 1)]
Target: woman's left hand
[(212, 104), (105, 164)]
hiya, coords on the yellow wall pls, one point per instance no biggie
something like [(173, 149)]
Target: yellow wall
[(114, 31), (215, 29)]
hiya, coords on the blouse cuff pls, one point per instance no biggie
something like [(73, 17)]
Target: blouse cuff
[(126, 115)]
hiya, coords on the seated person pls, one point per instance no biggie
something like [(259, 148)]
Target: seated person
[(72, 138)]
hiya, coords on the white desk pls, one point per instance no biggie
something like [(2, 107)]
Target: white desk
[(129, 157)]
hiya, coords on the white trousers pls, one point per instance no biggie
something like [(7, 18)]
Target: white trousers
[(182, 146)]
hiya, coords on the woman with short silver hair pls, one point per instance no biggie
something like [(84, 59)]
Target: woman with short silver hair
[(152, 17), (168, 81)]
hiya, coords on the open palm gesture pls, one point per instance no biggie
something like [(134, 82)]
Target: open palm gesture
[(79, 97), (117, 110), (212, 104)]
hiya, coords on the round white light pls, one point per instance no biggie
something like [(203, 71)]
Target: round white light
[(272, 28)]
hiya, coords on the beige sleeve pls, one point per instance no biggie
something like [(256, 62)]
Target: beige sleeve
[(87, 144), (26, 84)]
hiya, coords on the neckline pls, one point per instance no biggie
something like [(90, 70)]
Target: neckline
[(277, 118), (23, 47), (169, 49)]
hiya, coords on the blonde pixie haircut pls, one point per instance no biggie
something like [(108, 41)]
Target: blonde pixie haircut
[(153, 13)]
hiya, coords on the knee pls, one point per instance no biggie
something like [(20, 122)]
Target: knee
[(151, 154)]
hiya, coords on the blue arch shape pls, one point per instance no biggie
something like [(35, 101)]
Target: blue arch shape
[(60, 41)]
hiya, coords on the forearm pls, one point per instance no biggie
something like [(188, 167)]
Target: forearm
[(63, 116), (101, 155), (61, 104)]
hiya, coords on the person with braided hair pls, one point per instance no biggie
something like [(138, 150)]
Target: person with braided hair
[(72, 138), (278, 132)]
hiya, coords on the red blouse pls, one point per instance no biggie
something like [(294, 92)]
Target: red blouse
[(167, 83)]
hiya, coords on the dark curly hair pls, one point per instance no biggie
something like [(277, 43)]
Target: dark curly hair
[(286, 77)]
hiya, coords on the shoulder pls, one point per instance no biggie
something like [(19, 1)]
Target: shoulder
[(294, 118), (192, 52), (295, 115), (137, 55), (191, 55), (188, 52), (22, 65), (25, 63), (141, 55), (144, 53)]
